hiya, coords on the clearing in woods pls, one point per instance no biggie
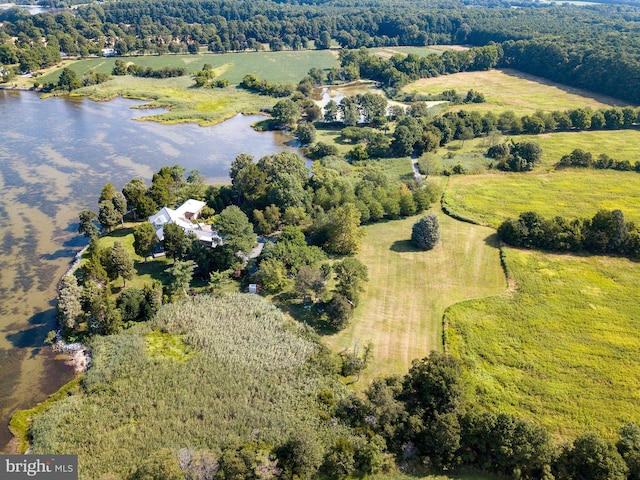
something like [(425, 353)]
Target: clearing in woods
[(512, 90)]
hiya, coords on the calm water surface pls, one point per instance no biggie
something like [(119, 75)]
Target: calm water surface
[(55, 156)]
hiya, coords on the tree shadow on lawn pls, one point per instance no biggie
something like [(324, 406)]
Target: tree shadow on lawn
[(121, 232), (493, 240), (404, 246)]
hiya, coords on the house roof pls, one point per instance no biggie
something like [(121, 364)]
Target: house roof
[(178, 216), (190, 206)]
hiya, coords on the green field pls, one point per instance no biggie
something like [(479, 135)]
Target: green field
[(388, 52), (561, 349), (512, 90), (275, 67), (408, 290), (489, 199), (207, 106), (618, 144)]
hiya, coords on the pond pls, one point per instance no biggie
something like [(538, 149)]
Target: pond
[(55, 156)]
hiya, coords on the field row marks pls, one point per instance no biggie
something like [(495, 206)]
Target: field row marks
[(572, 193), (563, 350), (408, 291), (513, 90)]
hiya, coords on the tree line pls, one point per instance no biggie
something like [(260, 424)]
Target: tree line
[(607, 232), (544, 41), (578, 158)]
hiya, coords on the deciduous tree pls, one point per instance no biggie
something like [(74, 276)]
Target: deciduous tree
[(425, 233)]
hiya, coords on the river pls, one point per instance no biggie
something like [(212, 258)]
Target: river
[(55, 156)]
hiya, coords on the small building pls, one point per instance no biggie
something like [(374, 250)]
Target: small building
[(186, 217), (108, 52)]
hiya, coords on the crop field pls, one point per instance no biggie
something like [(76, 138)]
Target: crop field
[(408, 290), (561, 348), (512, 90), (491, 198), (275, 67)]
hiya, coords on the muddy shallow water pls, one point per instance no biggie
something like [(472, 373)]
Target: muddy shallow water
[(55, 156)]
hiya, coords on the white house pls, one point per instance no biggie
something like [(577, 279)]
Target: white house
[(186, 217)]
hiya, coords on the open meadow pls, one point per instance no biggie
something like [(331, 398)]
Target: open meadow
[(617, 144), (511, 90), (275, 67), (206, 106), (560, 349), (490, 199), (409, 290)]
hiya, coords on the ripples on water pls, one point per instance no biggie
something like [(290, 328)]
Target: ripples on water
[(55, 156)]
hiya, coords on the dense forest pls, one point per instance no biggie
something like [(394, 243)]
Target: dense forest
[(593, 47)]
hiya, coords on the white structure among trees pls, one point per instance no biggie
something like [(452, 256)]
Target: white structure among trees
[(186, 217)]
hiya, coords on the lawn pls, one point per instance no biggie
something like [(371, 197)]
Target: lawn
[(153, 269), (409, 290), (512, 90), (561, 349), (489, 199)]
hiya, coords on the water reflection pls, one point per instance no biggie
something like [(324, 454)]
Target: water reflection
[(55, 156)]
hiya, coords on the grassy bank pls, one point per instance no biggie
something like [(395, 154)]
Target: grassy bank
[(21, 421), (561, 349), (491, 198)]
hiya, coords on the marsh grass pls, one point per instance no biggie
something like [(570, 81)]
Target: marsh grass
[(250, 375), (21, 421), (561, 349)]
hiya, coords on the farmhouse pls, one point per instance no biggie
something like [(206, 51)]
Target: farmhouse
[(186, 217)]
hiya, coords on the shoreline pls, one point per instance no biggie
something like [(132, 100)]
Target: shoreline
[(77, 357)]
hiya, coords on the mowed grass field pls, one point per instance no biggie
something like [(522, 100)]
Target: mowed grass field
[(512, 90), (489, 199), (562, 349), (409, 290)]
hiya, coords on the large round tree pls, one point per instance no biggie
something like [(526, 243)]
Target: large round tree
[(426, 232)]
